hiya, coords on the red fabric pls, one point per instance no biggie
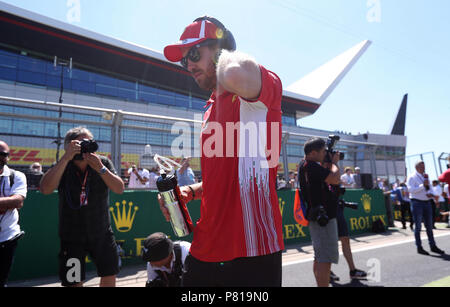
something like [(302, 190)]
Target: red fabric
[(445, 177), (240, 216)]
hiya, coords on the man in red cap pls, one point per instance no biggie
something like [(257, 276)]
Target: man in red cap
[(238, 240)]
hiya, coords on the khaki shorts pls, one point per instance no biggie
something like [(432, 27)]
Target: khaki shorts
[(325, 242)]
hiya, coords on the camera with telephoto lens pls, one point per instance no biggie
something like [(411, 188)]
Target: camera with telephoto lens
[(340, 191), (87, 146), (331, 142), (345, 204)]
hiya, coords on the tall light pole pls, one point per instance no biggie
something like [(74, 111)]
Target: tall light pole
[(62, 63)]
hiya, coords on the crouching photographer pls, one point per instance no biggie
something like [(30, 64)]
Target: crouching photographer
[(165, 260), (315, 178), (83, 180)]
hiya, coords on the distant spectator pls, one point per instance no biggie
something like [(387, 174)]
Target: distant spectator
[(138, 177), (281, 183), (347, 178), (153, 177), (406, 206), (357, 178), (439, 199), (185, 174), (292, 180), (34, 176)]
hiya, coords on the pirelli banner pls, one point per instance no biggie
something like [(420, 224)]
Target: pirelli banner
[(136, 214)]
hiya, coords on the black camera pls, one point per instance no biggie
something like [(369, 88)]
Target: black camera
[(331, 142), (322, 217), (87, 146)]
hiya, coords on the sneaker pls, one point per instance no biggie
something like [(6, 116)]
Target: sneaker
[(421, 251), (333, 277), (358, 274), (435, 249)]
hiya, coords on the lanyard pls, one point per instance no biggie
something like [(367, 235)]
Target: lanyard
[(84, 191)]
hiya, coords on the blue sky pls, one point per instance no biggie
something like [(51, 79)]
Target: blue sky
[(409, 53)]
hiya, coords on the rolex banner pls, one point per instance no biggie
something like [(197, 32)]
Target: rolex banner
[(136, 214)]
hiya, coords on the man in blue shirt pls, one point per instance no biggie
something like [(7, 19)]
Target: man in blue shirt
[(185, 175)]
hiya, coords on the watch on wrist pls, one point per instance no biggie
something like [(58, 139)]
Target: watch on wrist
[(103, 170)]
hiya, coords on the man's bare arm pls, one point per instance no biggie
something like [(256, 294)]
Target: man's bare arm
[(11, 202), (238, 73)]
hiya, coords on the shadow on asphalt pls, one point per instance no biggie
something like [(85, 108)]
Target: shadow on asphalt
[(354, 284), (444, 257)]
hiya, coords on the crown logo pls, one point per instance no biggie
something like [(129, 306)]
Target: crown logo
[(124, 220), (281, 204), (366, 200)]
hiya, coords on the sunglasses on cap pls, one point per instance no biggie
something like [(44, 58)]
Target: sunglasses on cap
[(193, 54), (4, 154)]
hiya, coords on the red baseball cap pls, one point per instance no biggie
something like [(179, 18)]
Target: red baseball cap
[(194, 34)]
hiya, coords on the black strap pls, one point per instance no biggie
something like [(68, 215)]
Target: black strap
[(11, 178)]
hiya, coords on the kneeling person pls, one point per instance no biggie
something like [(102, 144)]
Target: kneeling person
[(165, 260)]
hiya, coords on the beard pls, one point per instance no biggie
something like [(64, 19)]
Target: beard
[(209, 79)]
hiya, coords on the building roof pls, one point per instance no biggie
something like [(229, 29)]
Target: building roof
[(319, 84), (303, 97)]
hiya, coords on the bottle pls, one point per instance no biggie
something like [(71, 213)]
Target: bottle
[(179, 215)]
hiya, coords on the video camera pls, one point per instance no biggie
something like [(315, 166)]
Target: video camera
[(331, 142)]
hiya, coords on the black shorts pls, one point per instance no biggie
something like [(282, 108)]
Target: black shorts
[(342, 224), (72, 256), (262, 271)]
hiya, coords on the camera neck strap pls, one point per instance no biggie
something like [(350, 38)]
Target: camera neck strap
[(84, 190)]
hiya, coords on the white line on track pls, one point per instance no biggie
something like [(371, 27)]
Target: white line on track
[(366, 249)]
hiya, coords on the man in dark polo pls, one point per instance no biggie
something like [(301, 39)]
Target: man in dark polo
[(83, 182)]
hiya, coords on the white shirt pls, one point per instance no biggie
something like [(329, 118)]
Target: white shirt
[(151, 183), (447, 190), (185, 247), (9, 222), (347, 180), (416, 187), (437, 191), (134, 182)]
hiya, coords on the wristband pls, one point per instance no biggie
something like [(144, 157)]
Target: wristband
[(193, 193)]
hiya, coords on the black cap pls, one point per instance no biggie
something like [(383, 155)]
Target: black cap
[(166, 183), (157, 247)]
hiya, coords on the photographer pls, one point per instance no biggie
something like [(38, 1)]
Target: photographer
[(315, 180), (83, 180), (13, 191), (165, 260), (139, 177)]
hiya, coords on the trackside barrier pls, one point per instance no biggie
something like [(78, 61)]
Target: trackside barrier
[(136, 214)]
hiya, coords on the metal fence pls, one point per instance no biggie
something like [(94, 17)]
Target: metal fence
[(30, 127)]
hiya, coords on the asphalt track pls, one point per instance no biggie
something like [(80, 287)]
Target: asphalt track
[(391, 258), (391, 264)]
